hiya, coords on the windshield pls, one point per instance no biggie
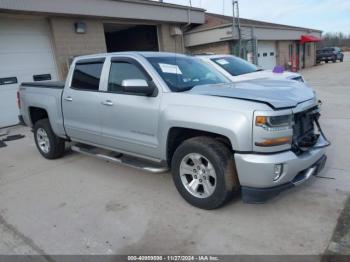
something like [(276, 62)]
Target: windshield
[(326, 50), (235, 66), (183, 73)]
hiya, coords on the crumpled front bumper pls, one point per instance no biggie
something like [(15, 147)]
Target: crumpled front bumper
[(256, 171)]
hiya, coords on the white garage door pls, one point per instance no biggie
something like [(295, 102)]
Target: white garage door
[(25, 55), (267, 54)]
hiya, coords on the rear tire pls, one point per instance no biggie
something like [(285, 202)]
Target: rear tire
[(204, 172), (49, 145), (326, 61)]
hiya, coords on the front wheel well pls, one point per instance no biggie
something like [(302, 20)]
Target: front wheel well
[(177, 135), (37, 114)]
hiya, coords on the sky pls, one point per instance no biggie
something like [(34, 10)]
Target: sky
[(325, 15)]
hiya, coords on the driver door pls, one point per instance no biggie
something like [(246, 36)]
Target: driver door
[(129, 121)]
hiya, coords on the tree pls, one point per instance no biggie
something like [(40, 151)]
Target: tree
[(335, 39)]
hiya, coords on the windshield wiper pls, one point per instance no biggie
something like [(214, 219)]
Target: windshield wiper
[(258, 70), (184, 89)]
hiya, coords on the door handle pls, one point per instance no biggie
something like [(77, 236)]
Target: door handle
[(107, 103), (68, 98)]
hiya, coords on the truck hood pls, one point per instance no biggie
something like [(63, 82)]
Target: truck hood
[(277, 94), (265, 74)]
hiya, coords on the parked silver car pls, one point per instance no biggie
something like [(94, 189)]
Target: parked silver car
[(156, 111)]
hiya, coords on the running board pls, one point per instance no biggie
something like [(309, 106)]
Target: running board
[(119, 158)]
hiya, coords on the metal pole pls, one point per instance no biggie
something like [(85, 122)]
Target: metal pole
[(239, 31), (233, 22)]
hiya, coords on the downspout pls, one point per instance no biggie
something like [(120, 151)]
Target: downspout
[(189, 16), (189, 22)]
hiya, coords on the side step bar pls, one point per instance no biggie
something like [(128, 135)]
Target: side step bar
[(119, 158)]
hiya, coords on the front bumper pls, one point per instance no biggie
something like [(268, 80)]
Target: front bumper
[(327, 58), (256, 171)]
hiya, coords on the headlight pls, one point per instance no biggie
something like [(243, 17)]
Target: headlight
[(274, 122), (278, 128)]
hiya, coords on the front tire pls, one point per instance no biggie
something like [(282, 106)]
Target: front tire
[(204, 172), (49, 145)]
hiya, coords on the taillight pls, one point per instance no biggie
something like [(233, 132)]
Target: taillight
[(18, 100)]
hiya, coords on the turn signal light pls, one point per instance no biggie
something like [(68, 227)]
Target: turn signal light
[(260, 120), (274, 142)]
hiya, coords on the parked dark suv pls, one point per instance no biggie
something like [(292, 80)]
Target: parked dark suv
[(329, 54)]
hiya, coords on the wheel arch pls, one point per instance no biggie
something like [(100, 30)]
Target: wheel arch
[(177, 135), (36, 114)]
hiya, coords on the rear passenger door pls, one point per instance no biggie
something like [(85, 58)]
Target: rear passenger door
[(81, 102), (130, 121)]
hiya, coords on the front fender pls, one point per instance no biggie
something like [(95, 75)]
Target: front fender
[(236, 126)]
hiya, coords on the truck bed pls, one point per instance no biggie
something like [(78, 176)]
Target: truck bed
[(45, 96), (45, 84)]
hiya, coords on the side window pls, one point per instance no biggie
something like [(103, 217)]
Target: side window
[(87, 76), (122, 71)]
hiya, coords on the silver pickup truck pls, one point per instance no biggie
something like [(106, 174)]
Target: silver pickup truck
[(156, 111)]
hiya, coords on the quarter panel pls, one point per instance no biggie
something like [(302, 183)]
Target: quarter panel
[(45, 98)]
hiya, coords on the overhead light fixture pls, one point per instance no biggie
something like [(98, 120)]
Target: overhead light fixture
[(80, 27)]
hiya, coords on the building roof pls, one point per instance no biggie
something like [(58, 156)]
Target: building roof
[(158, 3), (215, 20), (119, 9)]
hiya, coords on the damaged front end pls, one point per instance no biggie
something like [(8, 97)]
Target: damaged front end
[(305, 135)]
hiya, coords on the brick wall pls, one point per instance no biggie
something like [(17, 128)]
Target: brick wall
[(217, 48), (310, 54), (283, 53), (167, 42), (67, 43)]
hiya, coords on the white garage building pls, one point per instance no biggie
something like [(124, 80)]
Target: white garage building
[(39, 38), (26, 54), (268, 43)]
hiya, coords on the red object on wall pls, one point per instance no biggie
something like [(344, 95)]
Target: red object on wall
[(309, 38)]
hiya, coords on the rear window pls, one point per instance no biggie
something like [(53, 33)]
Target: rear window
[(87, 76)]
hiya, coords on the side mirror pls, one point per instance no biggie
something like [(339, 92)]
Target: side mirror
[(138, 86)]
